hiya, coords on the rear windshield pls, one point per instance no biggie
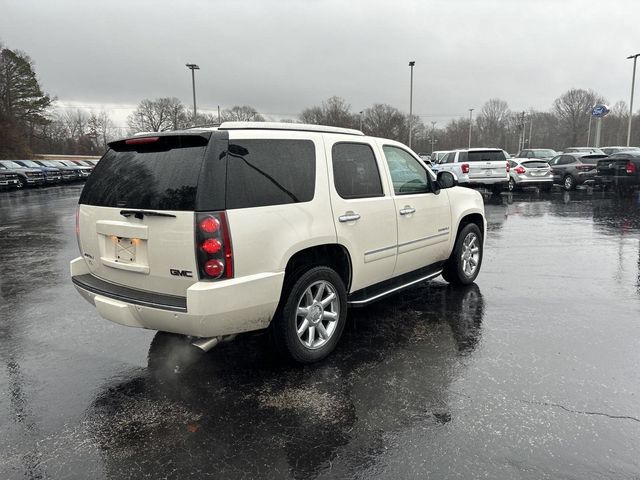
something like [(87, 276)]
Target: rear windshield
[(592, 159), (544, 153), (482, 156), (162, 175), (535, 164)]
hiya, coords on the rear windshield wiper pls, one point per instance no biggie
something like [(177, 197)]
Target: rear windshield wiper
[(141, 213)]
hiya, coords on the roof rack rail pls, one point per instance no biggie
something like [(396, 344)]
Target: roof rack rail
[(301, 127)]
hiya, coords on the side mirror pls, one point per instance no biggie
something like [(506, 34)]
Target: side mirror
[(447, 179)]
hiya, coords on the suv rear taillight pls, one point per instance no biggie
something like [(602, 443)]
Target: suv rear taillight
[(519, 169), (584, 168), (213, 246), (465, 167), (631, 168), (509, 168)]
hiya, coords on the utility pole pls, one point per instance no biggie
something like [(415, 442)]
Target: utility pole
[(589, 129), (470, 123), (411, 65), (433, 135), (193, 67), (361, 120), (633, 82), (530, 130)]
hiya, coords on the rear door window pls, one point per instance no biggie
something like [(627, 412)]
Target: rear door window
[(355, 171), (270, 172), (159, 175)]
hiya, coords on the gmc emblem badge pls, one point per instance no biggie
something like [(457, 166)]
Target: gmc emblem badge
[(181, 273)]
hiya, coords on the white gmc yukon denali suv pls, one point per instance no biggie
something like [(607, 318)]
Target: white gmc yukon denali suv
[(212, 232)]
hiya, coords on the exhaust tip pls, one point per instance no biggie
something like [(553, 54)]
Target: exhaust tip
[(206, 344)]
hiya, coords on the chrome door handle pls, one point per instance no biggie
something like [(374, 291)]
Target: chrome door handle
[(349, 217), (407, 211)]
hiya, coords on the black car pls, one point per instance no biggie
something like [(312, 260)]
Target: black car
[(573, 169), (69, 174), (27, 177), (620, 171), (51, 175)]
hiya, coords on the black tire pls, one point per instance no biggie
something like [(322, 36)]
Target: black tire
[(512, 185), (568, 183), (21, 183), (286, 322), (453, 271)]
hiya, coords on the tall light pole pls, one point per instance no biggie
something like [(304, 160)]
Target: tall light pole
[(433, 135), (193, 67), (411, 65), (633, 82), (470, 123), (361, 120)]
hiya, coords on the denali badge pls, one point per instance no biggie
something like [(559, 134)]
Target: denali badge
[(181, 273)]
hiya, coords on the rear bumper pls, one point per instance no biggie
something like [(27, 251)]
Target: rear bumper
[(533, 182), (614, 180), (210, 308), (475, 182)]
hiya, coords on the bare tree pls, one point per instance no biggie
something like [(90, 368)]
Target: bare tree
[(243, 113), (158, 115), (492, 122), (100, 130), (573, 109), (335, 112)]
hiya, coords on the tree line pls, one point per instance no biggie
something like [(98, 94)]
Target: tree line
[(30, 123)]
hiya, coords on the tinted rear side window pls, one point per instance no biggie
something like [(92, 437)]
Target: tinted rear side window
[(485, 156), (162, 175), (355, 171), (270, 172)]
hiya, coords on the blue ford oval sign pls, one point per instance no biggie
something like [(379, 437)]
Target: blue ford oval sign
[(600, 111)]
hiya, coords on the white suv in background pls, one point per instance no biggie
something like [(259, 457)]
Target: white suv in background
[(213, 232), (478, 167)]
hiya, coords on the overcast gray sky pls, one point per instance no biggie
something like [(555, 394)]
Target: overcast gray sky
[(284, 55)]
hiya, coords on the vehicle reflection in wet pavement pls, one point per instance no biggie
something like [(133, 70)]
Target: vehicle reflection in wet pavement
[(531, 373)]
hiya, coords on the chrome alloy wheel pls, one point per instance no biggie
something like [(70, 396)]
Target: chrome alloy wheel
[(470, 254), (317, 314)]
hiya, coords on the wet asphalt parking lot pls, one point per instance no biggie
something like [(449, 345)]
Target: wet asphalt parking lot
[(532, 373)]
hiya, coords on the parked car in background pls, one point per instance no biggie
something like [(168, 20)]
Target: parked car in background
[(27, 177), (83, 163), (573, 169), (52, 175), (620, 171), (478, 167), (583, 150), (437, 156), (612, 150), (426, 158), (68, 174), (8, 179), (540, 153), (79, 173), (526, 172), (85, 170)]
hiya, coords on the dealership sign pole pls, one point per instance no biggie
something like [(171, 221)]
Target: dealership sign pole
[(598, 112)]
